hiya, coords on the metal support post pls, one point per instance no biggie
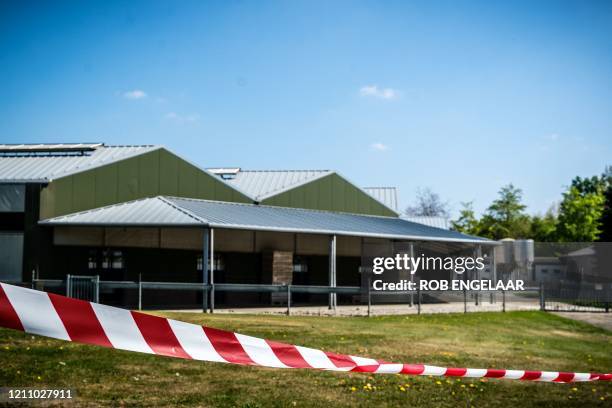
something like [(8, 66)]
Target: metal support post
[(97, 289), (288, 300), (140, 291), (332, 271), (205, 258), (212, 270), (369, 297), (477, 254), (411, 248)]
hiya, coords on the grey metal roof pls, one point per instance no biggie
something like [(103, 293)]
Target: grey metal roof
[(438, 222), (386, 195), (24, 168), (152, 211), (165, 211), (261, 184)]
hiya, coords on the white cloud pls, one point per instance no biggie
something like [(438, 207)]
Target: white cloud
[(380, 147), (135, 94), (376, 92), (553, 136), (178, 118)]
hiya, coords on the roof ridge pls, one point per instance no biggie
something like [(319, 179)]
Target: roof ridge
[(278, 206), (385, 187), (184, 211), (282, 170), (131, 145)]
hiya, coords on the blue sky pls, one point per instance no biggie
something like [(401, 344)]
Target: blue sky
[(461, 97)]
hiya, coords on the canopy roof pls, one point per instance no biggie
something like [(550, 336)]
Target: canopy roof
[(182, 212)]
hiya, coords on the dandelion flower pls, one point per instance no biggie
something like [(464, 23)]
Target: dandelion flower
[(353, 389)]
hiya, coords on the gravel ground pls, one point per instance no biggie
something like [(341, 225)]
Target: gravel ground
[(379, 310)]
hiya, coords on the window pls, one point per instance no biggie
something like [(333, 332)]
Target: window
[(92, 260), (544, 270), (557, 270), (107, 259), (117, 260), (219, 263), (299, 265), (365, 269)]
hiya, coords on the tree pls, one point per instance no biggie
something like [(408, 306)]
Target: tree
[(544, 228), (428, 204), (580, 215), (467, 221), (589, 185), (606, 216), (505, 217)]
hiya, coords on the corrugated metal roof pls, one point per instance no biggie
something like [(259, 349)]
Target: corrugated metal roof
[(261, 184), (386, 195), (43, 168), (168, 210), (438, 222), (152, 211)]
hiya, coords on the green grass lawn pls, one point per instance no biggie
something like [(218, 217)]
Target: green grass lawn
[(520, 340)]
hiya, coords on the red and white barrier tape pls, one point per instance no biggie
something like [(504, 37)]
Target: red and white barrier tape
[(60, 317)]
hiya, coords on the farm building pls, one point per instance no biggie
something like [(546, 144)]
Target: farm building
[(125, 213)]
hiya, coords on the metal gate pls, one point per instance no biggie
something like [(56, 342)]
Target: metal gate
[(83, 287)]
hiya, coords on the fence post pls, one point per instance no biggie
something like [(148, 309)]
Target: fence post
[(369, 297), (418, 300), (97, 290), (68, 285), (542, 300), (140, 291), (503, 300), (288, 300), (33, 277), (464, 301)]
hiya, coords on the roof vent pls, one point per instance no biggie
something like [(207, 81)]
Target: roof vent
[(44, 149), (226, 173)]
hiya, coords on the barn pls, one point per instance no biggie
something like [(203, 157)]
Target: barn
[(143, 213)]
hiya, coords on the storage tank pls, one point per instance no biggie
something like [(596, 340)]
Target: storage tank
[(504, 253), (523, 251)]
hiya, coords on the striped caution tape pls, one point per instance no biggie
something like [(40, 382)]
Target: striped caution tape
[(60, 317)]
